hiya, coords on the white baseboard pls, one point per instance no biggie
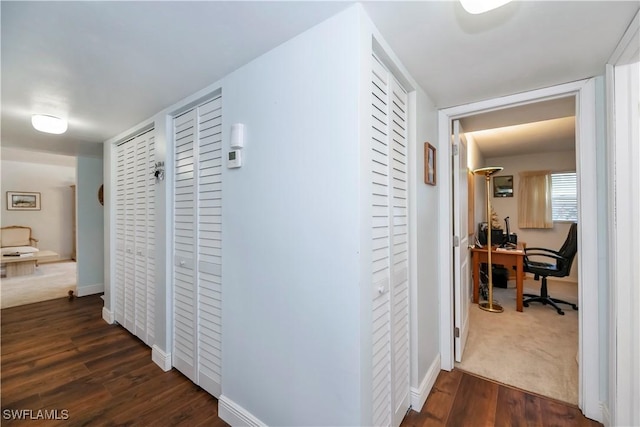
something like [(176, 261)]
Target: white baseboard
[(419, 395), (236, 415), (107, 316), (606, 416), (84, 290), (161, 358)]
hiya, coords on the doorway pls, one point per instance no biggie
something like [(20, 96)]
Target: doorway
[(52, 177), (586, 166), (534, 349)]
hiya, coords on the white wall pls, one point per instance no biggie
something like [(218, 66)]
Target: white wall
[(552, 238), (291, 313), (52, 225), (427, 336), (90, 219)]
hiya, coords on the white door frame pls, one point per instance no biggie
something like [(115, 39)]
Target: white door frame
[(589, 345), (623, 90)]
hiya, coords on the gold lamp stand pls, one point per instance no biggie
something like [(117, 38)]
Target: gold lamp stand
[(489, 305)]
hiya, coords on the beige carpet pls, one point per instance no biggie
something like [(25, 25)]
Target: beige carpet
[(51, 280), (534, 350)]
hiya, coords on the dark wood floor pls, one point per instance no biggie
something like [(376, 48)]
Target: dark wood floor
[(461, 399), (59, 356)]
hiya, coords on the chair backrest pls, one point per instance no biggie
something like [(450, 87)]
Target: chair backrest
[(15, 235), (569, 249)]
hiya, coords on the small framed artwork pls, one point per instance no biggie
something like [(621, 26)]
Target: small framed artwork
[(429, 164), (23, 201), (503, 186)]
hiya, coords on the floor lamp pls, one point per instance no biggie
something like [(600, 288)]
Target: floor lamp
[(489, 305)]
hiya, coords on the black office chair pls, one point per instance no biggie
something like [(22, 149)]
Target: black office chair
[(562, 267)]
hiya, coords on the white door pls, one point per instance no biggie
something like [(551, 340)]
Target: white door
[(151, 242), (120, 255), (184, 230), (140, 238), (209, 242), (197, 230), (461, 271), (135, 249), (129, 237), (390, 248)]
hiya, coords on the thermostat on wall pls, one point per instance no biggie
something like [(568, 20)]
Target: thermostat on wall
[(235, 159)]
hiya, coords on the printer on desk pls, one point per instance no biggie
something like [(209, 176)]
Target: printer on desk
[(498, 236)]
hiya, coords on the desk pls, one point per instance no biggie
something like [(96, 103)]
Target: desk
[(511, 258)]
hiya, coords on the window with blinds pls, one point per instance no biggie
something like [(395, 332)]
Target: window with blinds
[(564, 196)]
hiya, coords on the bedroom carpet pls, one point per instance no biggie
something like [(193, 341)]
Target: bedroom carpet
[(50, 280), (534, 350)]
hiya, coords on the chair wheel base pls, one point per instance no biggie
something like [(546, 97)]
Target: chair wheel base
[(548, 300)]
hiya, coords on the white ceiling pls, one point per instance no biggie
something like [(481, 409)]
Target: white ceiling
[(537, 137), (107, 66), (546, 126)]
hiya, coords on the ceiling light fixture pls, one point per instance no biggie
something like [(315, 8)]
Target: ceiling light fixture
[(476, 7), (49, 124)]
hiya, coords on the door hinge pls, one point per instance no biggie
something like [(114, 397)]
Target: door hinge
[(456, 241), (455, 149), (457, 332)]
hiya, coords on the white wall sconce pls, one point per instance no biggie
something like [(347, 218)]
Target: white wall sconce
[(49, 124)]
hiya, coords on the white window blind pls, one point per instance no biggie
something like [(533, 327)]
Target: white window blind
[(564, 196)]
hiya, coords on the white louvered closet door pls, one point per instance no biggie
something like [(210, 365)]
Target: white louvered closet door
[(140, 238), (184, 228), (135, 250), (129, 236), (390, 259), (120, 202), (198, 244), (209, 234), (151, 242)]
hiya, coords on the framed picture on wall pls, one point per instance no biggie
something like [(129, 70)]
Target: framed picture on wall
[(429, 164), (23, 201), (503, 186)]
